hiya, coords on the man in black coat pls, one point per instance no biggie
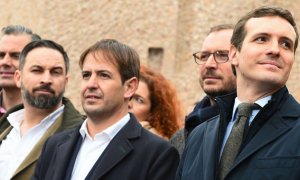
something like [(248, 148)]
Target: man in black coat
[(263, 51), (110, 144), (215, 76)]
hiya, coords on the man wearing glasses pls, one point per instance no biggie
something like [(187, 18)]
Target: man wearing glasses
[(216, 79), (256, 134)]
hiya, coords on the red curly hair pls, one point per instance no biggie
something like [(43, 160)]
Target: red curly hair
[(165, 109)]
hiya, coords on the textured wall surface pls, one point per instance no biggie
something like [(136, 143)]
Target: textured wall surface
[(176, 26)]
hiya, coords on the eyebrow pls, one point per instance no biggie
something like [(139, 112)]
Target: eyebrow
[(39, 66)]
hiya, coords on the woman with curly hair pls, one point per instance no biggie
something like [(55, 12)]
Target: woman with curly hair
[(155, 104)]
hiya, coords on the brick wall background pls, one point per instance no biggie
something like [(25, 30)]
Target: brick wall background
[(164, 33)]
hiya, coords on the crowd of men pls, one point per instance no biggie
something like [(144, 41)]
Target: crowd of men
[(246, 127)]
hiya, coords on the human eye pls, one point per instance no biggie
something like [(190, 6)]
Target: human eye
[(15, 55), (223, 55), (104, 75), (138, 99), (287, 44), (2, 55), (85, 75), (260, 39), (204, 56), (57, 71), (35, 70)]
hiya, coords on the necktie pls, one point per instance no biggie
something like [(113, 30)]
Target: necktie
[(235, 138)]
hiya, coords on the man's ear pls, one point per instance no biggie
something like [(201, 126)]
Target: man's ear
[(233, 53), (131, 86), (67, 79), (17, 78)]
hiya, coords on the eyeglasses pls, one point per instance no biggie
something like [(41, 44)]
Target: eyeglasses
[(220, 56)]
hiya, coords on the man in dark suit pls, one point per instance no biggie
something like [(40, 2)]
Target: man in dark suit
[(215, 76), (267, 147), (110, 144)]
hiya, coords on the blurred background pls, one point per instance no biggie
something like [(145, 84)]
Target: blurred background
[(165, 33)]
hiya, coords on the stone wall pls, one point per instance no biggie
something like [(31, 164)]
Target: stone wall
[(175, 27)]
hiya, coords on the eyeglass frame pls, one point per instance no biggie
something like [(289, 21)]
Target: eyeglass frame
[(197, 60)]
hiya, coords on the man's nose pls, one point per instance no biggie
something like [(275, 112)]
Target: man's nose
[(273, 48), (46, 77), (92, 82)]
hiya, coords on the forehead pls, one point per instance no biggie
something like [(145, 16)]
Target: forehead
[(143, 88), (97, 60), (44, 57), (14, 42), (273, 25), (218, 40)]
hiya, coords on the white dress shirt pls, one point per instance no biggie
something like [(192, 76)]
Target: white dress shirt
[(15, 148), (261, 102), (91, 149)]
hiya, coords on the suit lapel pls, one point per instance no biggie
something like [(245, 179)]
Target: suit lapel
[(64, 153), (268, 133), (5, 133), (37, 149), (117, 149)]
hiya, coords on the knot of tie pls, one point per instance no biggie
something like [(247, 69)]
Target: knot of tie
[(245, 109)]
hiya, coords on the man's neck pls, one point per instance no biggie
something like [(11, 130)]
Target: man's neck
[(100, 123), (11, 97), (251, 92), (33, 116)]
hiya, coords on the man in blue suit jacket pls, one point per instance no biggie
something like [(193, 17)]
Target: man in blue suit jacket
[(110, 144), (263, 51)]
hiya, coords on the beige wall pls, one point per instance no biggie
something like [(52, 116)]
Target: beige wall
[(177, 26)]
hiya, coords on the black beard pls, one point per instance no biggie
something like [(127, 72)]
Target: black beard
[(41, 101)]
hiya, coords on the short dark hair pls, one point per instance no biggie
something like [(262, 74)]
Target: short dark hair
[(239, 32), (220, 27), (124, 57), (19, 30), (39, 44)]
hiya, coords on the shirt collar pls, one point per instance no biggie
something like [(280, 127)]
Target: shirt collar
[(16, 118), (110, 132), (261, 102)]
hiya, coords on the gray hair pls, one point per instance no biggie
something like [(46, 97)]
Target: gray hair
[(19, 30)]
